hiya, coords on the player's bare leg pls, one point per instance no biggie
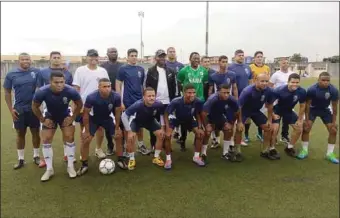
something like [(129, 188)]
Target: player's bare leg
[(307, 126), (131, 142), (47, 138), (20, 141), (207, 134), (158, 148), (36, 145), (119, 150), (332, 130), (199, 134), (141, 146), (99, 140), (290, 149), (68, 135), (84, 151), (167, 141)]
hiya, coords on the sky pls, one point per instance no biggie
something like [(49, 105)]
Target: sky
[(276, 28)]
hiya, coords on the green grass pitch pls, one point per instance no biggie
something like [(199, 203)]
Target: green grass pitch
[(253, 188)]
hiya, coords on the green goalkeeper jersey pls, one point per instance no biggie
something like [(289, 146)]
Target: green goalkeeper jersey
[(197, 77)]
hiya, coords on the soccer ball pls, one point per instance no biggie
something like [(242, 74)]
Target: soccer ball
[(107, 166)]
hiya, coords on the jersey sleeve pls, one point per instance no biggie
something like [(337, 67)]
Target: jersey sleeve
[(39, 96), (8, 82), (76, 79), (89, 102), (70, 79), (334, 94), (273, 78), (233, 105), (205, 75), (303, 96), (232, 77), (210, 79), (199, 106), (106, 75), (40, 79), (143, 75), (243, 98), (271, 96), (250, 76), (132, 109), (207, 105), (75, 95), (171, 107), (121, 74), (117, 100), (181, 75), (310, 93)]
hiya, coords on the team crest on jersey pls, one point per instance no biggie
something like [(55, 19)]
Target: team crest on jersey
[(226, 107), (33, 75), (110, 106), (177, 69), (327, 95), (139, 74), (201, 73), (262, 98), (247, 71), (192, 111), (65, 100), (154, 112), (228, 80), (295, 98)]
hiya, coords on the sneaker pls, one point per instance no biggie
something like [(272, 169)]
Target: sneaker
[(110, 152), (234, 156), (36, 160), (246, 139), (198, 161), (82, 170), (71, 172), (284, 139), (143, 150), (42, 163), (47, 175), (100, 153), (303, 154), (244, 144), (290, 152), (204, 158), (158, 161), (20, 164), (74, 161), (225, 156), (132, 164), (168, 164), (126, 154), (332, 158), (122, 163), (265, 154), (259, 137), (176, 135), (215, 145), (274, 154)]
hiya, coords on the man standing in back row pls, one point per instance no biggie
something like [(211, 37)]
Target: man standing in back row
[(111, 66)]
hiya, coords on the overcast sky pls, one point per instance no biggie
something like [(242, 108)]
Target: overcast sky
[(278, 29)]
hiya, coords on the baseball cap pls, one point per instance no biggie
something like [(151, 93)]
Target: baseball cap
[(92, 53), (160, 52)]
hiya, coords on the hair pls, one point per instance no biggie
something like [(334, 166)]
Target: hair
[(258, 52), (192, 54), (23, 54), (132, 50), (188, 86), (224, 86), (169, 49), (293, 76), (148, 89), (56, 73), (54, 53), (204, 57), (103, 80), (324, 74), (238, 51), (222, 57)]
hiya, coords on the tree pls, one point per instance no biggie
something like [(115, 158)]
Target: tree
[(333, 59), (297, 58)]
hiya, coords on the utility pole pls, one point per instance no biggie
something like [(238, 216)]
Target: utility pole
[(207, 29), (141, 15)]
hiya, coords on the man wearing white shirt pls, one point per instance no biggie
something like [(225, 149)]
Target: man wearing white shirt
[(280, 78), (86, 81), (162, 79)]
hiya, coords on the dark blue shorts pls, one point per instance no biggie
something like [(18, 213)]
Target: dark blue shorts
[(151, 125), (287, 117), (324, 114), (56, 120), (26, 119), (220, 121), (107, 125), (188, 125), (257, 117)]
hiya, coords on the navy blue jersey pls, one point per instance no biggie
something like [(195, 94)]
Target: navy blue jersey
[(102, 107), (177, 66), (288, 99), (216, 107), (243, 75), (44, 77), (182, 111), (252, 100), (322, 97), (57, 103), (132, 77), (216, 79), (143, 113), (24, 84)]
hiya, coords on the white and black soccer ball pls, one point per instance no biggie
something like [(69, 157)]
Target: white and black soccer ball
[(107, 166)]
